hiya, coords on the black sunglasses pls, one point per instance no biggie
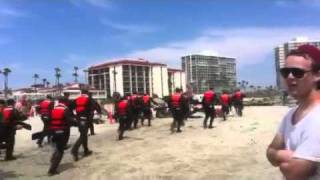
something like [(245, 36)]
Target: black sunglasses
[(296, 72)]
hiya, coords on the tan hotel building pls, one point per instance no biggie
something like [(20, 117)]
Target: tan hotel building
[(134, 75)]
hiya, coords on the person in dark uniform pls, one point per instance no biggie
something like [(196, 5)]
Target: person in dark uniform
[(2, 105), (176, 106), (83, 105), (186, 109), (44, 109), (146, 109), (224, 100), (71, 106), (59, 127), (136, 105), (238, 101), (11, 119), (95, 107), (230, 101), (123, 114), (208, 102)]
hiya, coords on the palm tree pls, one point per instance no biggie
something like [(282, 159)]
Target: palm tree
[(47, 83), (243, 84), (44, 80), (259, 88), (5, 73), (75, 74), (251, 87), (57, 75), (35, 77)]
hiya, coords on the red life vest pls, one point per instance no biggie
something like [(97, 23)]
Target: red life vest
[(44, 107), (57, 121), (175, 100), (224, 98), (122, 107), (237, 95), (7, 115), (145, 99), (81, 103), (133, 97), (208, 96)]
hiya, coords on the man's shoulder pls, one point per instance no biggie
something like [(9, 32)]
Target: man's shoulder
[(290, 112), (313, 116)]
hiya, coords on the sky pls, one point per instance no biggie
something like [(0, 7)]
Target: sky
[(37, 36)]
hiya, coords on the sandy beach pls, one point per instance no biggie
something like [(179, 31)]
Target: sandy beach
[(234, 149)]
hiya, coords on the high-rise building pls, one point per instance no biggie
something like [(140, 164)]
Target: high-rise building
[(131, 75), (204, 71), (282, 51), (176, 79)]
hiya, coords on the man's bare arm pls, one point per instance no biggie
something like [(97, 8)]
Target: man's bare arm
[(297, 169), (276, 153)]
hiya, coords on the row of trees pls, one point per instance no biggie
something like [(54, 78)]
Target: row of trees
[(245, 86), (257, 91), (6, 71), (57, 75)]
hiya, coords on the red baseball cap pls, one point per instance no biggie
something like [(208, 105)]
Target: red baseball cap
[(311, 51)]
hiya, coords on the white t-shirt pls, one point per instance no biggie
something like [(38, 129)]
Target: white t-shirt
[(303, 138)]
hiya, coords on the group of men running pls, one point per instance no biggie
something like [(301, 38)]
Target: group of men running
[(179, 106), (130, 108), (226, 100), (57, 117)]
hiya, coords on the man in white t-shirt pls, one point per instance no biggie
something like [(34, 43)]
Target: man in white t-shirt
[(295, 148)]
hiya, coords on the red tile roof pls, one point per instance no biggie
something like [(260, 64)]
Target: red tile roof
[(127, 62), (174, 70)]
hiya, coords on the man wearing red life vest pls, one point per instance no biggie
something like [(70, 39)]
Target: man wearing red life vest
[(224, 101), (177, 105), (94, 108), (208, 102), (2, 105), (8, 126), (44, 109), (146, 109), (83, 106), (136, 105), (238, 101), (59, 128), (123, 114)]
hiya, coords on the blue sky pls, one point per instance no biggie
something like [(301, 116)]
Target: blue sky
[(38, 35)]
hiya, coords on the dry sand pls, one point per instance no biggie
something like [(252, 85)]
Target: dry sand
[(234, 149)]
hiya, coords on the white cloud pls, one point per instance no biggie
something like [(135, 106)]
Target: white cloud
[(8, 15), (250, 45), (131, 28), (11, 12), (290, 3), (96, 3), (73, 59), (100, 3)]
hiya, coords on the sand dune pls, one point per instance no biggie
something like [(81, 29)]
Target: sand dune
[(234, 149)]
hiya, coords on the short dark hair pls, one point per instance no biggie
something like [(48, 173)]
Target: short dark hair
[(11, 102), (84, 91), (2, 101), (66, 94), (309, 52)]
